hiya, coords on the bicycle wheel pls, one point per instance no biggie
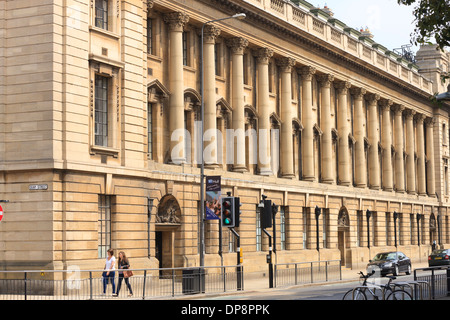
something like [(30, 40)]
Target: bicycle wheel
[(399, 295), (355, 294)]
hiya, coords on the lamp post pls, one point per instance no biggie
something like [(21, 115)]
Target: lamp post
[(418, 217), (202, 174)]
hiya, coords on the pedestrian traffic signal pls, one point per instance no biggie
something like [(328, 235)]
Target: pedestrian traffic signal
[(266, 214), (228, 212)]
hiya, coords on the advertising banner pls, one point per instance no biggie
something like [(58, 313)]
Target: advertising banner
[(213, 194)]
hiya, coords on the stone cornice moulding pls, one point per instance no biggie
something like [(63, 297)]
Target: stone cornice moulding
[(266, 20)]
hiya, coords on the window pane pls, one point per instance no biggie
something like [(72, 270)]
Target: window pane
[(101, 14), (104, 225), (101, 111)]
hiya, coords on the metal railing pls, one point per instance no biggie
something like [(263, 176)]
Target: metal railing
[(438, 279), (78, 284), (307, 272)]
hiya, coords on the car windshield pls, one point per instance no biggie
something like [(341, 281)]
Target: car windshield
[(385, 256), (444, 251)]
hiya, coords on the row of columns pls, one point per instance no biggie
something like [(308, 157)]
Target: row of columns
[(176, 22)]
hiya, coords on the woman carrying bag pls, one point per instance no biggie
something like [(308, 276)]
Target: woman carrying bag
[(123, 265)]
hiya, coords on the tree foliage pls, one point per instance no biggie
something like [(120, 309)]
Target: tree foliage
[(432, 18)]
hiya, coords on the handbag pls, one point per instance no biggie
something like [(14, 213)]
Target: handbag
[(127, 273)]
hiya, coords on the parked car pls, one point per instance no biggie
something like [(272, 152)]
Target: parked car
[(390, 262), (440, 257)]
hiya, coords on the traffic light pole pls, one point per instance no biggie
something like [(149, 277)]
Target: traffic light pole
[(238, 262), (269, 259)]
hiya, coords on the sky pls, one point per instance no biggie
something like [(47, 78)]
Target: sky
[(390, 23)]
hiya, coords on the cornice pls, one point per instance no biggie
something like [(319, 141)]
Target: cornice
[(266, 21)]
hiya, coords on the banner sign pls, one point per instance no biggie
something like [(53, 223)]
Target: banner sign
[(213, 193)]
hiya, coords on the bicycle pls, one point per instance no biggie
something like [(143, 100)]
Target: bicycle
[(360, 293)]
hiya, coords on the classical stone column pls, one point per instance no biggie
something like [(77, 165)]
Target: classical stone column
[(374, 163), (287, 154), (176, 22), (307, 121), (429, 123), (263, 56), (343, 132), (238, 46), (327, 143), (410, 164), (398, 144), (359, 133), (421, 176), (210, 33), (386, 143)]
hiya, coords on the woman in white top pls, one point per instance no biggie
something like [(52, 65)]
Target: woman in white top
[(109, 272)]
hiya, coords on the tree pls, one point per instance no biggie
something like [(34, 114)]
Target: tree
[(432, 20)]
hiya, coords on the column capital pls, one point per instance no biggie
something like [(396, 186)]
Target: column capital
[(210, 34), (325, 80), (398, 109), (307, 72), (342, 86), (372, 98), (409, 113), (176, 20), (419, 117), (237, 44), (386, 103), (263, 55), (358, 92), (429, 121), (286, 64)]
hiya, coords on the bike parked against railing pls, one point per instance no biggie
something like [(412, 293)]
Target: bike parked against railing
[(389, 291)]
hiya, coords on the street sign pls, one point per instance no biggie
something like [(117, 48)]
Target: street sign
[(1, 213)]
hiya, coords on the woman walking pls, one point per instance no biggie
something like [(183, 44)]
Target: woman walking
[(122, 265), (109, 273)]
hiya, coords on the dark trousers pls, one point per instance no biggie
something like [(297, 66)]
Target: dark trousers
[(106, 279), (127, 282)]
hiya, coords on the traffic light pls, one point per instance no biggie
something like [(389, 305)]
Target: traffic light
[(237, 211), (228, 212), (266, 214)]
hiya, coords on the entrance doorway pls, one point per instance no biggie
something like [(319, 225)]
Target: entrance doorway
[(164, 241), (167, 224), (344, 236)]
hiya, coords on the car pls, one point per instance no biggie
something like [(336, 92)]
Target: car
[(440, 257), (392, 262)]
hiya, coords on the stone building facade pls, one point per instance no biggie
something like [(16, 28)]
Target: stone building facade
[(100, 137)]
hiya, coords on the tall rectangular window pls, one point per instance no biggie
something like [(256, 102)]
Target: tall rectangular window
[(283, 210), (359, 226), (150, 37), (258, 230), (101, 14), (185, 49), (101, 111), (150, 130), (104, 225), (388, 228)]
